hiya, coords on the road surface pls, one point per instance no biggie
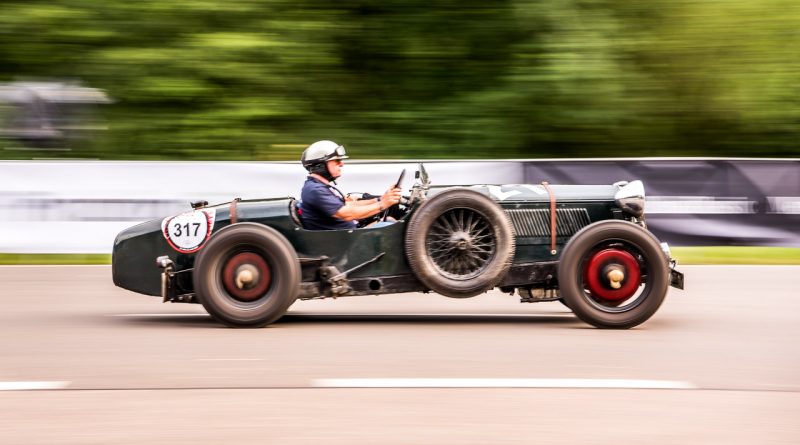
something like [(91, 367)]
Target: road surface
[(83, 362)]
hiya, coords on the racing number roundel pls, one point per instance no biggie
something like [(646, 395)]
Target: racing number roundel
[(188, 231)]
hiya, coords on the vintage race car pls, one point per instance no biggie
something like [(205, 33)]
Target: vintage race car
[(247, 261)]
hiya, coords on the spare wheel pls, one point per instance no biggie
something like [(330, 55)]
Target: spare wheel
[(460, 243)]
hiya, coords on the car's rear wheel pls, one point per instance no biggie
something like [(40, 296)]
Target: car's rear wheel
[(247, 275), (460, 243), (613, 274)]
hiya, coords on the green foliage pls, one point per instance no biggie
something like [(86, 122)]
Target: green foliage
[(250, 79)]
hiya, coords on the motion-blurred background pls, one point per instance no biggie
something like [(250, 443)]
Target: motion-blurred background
[(204, 80), (258, 80), (110, 108)]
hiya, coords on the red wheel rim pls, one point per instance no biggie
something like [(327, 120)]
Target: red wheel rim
[(254, 269), (596, 274)]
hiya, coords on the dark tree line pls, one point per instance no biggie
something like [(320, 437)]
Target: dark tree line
[(250, 79)]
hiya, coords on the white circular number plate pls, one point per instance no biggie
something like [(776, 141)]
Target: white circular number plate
[(188, 231)]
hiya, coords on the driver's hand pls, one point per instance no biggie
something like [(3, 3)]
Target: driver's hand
[(391, 197)]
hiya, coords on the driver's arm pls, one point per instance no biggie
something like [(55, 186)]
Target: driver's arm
[(361, 202), (353, 210)]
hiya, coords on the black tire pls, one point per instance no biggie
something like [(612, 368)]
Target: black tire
[(600, 247), (460, 243), (258, 248)]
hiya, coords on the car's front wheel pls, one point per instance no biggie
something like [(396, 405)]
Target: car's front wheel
[(613, 274), (247, 275)]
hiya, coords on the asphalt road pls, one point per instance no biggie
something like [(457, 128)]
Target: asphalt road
[(718, 364)]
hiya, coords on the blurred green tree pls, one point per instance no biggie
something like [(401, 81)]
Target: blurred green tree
[(258, 79)]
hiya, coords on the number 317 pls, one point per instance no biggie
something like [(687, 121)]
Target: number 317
[(181, 229)]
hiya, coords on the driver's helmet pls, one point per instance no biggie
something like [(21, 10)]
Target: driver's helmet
[(321, 152)]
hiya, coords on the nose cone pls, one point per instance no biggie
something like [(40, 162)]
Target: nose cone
[(133, 265)]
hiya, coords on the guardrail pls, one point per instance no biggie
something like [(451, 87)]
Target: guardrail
[(79, 207)]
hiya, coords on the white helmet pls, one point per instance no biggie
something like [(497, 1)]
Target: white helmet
[(321, 152)]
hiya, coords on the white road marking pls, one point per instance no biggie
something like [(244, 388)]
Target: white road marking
[(771, 385), (428, 314), (444, 314), (30, 386), (367, 314), (158, 315), (501, 383), (602, 367)]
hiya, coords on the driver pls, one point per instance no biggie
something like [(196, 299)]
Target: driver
[(324, 207)]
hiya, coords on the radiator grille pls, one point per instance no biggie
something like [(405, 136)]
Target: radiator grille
[(536, 222)]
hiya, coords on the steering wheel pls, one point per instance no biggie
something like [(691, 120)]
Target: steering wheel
[(396, 185)]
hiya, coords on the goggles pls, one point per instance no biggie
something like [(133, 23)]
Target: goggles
[(339, 153)]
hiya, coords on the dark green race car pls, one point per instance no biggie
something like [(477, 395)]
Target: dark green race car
[(246, 262)]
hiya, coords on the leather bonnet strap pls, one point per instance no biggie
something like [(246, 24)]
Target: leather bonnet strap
[(553, 220), (234, 214)]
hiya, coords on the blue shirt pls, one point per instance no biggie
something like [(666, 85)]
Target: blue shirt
[(319, 202)]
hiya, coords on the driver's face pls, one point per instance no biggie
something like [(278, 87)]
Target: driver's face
[(335, 167)]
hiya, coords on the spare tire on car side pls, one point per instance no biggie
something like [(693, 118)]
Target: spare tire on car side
[(460, 243), (247, 275)]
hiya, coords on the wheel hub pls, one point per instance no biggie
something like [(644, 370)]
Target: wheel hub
[(246, 276), (461, 241), (615, 274), (612, 274)]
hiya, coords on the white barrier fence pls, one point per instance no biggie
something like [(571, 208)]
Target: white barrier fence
[(79, 207)]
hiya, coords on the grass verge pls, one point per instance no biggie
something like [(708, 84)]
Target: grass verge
[(684, 255), (736, 255), (54, 258)]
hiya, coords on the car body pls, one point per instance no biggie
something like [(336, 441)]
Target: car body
[(248, 261)]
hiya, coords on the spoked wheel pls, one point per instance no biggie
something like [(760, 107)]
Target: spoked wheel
[(613, 274), (460, 243), (247, 275)]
